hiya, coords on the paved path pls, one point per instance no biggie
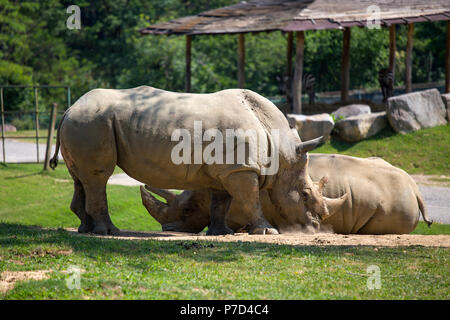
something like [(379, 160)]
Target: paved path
[(20, 151), (437, 200)]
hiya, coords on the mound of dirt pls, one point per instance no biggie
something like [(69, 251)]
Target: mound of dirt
[(296, 239)]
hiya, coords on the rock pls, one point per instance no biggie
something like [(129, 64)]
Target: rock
[(310, 127), (446, 99), (360, 127), (416, 110), (351, 110), (8, 127)]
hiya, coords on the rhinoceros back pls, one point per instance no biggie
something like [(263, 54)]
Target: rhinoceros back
[(140, 123)]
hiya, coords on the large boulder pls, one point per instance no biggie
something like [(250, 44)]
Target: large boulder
[(8, 127), (311, 127), (360, 127), (446, 99), (415, 111), (351, 110)]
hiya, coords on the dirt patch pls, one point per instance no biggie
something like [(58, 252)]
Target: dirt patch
[(318, 239), (9, 278)]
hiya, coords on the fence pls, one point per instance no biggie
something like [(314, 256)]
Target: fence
[(52, 116)]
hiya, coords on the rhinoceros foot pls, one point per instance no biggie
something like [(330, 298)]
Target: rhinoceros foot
[(87, 225), (102, 229), (219, 231), (264, 231), (262, 226), (85, 228)]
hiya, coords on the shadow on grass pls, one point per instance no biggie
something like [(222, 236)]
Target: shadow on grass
[(24, 175), (341, 145), (22, 238)]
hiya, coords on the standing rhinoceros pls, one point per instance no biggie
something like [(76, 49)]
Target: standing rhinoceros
[(378, 198), (135, 129)]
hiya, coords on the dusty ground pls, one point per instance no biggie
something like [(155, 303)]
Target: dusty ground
[(319, 239), (9, 278)]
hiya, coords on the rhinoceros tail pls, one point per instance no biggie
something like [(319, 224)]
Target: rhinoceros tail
[(423, 209), (54, 161)]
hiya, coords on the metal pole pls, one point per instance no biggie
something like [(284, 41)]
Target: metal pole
[(36, 123), (51, 130), (3, 125), (68, 97)]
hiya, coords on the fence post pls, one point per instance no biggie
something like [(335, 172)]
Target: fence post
[(51, 130), (36, 122), (3, 124)]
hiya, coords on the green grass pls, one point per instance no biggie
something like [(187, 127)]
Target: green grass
[(138, 269), (425, 151), (30, 196)]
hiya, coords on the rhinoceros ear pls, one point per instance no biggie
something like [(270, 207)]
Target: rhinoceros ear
[(309, 145)]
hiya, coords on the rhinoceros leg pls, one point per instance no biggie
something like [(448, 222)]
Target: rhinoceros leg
[(78, 206), (97, 208), (220, 203), (244, 189)]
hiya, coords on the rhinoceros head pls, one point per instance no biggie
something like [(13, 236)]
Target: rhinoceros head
[(185, 212), (298, 197)]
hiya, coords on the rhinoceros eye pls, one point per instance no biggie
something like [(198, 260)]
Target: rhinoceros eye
[(305, 195)]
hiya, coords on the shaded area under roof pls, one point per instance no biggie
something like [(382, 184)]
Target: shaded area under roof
[(299, 15)]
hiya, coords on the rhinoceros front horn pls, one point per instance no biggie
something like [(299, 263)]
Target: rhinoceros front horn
[(309, 145), (169, 196), (157, 209), (334, 205)]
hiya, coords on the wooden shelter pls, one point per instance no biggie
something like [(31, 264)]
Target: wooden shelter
[(302, 15)]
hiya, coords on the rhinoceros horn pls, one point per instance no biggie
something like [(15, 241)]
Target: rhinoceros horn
[(334, 205), (309, 145), (156, 208), (169, 196)]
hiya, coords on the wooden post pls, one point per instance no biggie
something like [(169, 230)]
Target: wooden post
[(187, 87), (392, 48), (51, 130), (298, 74), (447, 60), (241, 61), (345, 65), (3, 124), (36, 112), (289, 69), (408, 60)]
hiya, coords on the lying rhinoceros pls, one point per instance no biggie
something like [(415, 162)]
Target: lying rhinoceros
[(379, 199), (137, 130)]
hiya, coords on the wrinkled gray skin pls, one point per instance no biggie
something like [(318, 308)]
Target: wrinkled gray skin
[(378, 198), (132, 129)]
